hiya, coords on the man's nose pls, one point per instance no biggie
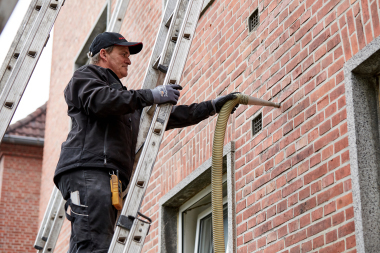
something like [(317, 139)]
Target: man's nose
[(128, 61)]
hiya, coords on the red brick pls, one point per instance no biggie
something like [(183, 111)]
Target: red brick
[(283, 217), (317, 214), (328, 180), (350, 242), (330, 193), (346, 229), (307, 246), (316, 187), (318, 241), (276, 247), (297, 237), (305, 193), (305, 220), (337, 218), (344, 201), (319, 227), (262, 229), (323, 141), (335, 248), (331, 236), (349, 213), (342, 172), (341, 144), (292, 188), (303, 207)]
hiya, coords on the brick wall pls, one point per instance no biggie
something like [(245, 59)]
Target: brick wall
[(20, 180), (293, 182)]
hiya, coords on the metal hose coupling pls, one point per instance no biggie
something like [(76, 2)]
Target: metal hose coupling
[(217, 165)]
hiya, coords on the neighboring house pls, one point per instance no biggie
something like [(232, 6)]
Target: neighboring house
[(20, 179), (298, 179)]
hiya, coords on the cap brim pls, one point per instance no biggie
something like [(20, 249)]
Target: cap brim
[(134, 47)]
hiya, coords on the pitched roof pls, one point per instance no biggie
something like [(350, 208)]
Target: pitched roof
[(32, 125)]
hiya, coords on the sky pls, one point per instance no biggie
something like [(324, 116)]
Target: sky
[(37, 90)]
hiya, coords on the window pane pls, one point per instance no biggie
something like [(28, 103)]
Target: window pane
[(205, 233)]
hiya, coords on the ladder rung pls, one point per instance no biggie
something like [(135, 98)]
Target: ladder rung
[(168, 22), (151, 110), (155, 64), (162, 68)]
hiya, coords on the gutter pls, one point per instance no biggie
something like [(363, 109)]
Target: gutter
[(23, 140)]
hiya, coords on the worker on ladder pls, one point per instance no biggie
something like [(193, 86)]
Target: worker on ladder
[(105, 118)]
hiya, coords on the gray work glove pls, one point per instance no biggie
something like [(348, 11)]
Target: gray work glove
[(166, 94), (218, 102)]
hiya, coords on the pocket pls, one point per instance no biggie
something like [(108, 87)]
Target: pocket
[(78, 216)]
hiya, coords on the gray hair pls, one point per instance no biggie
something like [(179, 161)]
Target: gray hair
[(96, 58)]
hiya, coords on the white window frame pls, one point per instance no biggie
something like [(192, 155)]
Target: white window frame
[(200, 217), (187, 205)]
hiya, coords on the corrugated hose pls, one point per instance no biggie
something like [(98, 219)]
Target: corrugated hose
[(217, 165)]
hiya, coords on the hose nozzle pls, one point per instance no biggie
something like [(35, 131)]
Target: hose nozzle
[(248, 100)]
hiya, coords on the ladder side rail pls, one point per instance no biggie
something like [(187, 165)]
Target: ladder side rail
[(52, 214), (18, 42), (118, 16), (135, 193), (27, 61), (40, 241), (154, 77), (57, 225), (175, 23), (151, 148)]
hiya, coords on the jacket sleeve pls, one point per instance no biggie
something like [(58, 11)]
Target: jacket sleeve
[(187, 115), (89, 91)]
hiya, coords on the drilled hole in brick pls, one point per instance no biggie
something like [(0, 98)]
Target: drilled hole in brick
[(257, 124), (253, 20)]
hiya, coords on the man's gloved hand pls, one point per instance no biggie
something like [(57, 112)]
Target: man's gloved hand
[(166, 94), (218, 102)]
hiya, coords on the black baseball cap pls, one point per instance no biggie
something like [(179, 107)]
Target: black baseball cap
[(108, 39)]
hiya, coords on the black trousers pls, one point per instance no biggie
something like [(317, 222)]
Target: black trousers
[(93, 221)]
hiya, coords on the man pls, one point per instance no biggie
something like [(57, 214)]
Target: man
[(105, 118)]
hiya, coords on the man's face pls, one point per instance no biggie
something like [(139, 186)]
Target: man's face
[(118, 60)]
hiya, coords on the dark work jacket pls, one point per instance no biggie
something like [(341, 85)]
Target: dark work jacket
[(105, 120)]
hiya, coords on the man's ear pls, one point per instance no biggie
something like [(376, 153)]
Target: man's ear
[(103, 54)]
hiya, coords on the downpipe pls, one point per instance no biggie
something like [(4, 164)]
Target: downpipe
[(217, 165)]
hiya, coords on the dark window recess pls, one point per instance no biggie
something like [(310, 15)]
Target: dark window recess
[(257, 124), (253, 20)]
